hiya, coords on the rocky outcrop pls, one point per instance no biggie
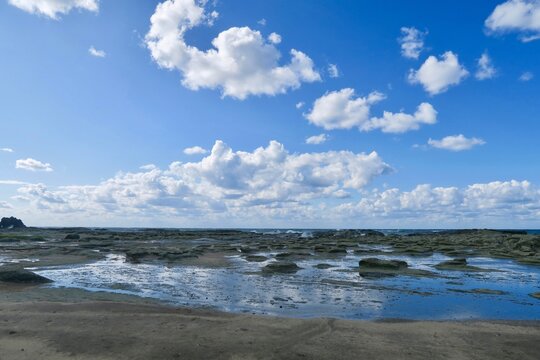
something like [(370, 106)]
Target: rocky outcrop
[(11, 223), (21, 276)]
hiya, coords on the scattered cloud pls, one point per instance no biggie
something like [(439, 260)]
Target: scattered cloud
[(333, 71), (521, 16), (148, 167), (412, 42), (456, 143), (317, 139), (300, 104), (97, 53), (485, 69), (32, 165), (526, 76), (262, 22), (54, 8), (342, 109), (12, 182), (5, 205), (241, 62), (195, 150), (274, 38), (401, 122), (8, 150), (437, 75)]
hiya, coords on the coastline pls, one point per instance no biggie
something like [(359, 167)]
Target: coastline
[(44, 323)]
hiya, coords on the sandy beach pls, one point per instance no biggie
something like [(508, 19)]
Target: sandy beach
[(37, 323)]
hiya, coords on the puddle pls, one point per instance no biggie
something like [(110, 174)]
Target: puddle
[(337, 291)]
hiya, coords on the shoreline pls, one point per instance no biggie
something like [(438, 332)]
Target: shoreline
[(65, 323)]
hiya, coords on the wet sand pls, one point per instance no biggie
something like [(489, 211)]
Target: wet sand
[(38, 323)]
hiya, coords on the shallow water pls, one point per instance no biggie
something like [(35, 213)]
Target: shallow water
[(335, 292)]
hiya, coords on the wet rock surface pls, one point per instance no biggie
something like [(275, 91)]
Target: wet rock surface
[(21, 276), (71, 245), (283, 267)]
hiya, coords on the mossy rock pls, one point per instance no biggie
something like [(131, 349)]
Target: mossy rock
[(458, 264), (283, 267), (375, 263), (323, 266), (255, 258)]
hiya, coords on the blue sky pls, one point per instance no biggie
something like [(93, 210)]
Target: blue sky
[(77, 127)]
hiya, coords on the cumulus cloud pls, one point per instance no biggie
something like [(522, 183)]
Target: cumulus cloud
[(342, 109), (8, 150), (299, 105), (54, 8), (195, 150), (498, 203), (96, 53), (412, 42), (269, 179), (522, 16), (456, 143), (317, 139), (485, 69), (240, 63), (333, 71), (437, 75), (402, 122), (32, 165), (526, 76)]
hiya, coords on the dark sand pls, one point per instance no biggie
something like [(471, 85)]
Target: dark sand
[(40, 323)]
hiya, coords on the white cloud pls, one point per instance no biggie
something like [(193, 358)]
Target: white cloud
[(54, 8), (456, 143), (342, 109), (5, 205), (12, 182), (97, 53), (148, 167), (262, 22), (521, 16), (526, 76), (485, 69), (412, 42), (269, 180), (274, 38), (195, 150), (9, 150), (436, 76), (333, 71), (401, 122), (240, 63), (498, 203), (33, 165), (317, 139), (300, 105)]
